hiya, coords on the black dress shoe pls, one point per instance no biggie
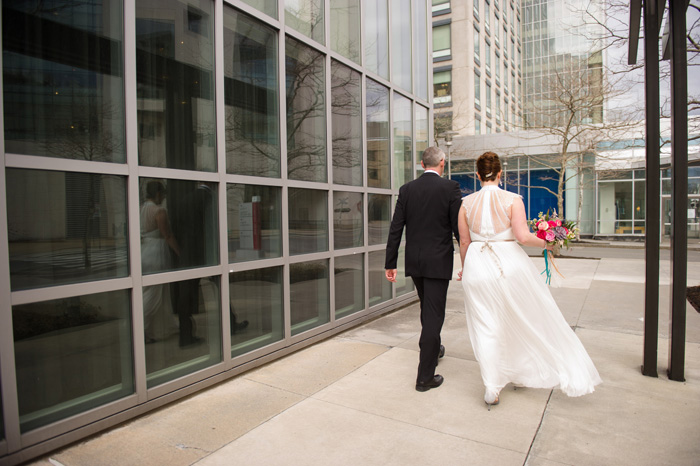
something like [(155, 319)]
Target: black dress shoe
[(435, 382)]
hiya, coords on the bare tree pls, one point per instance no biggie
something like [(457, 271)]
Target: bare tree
[(569, 121), (612, 35)]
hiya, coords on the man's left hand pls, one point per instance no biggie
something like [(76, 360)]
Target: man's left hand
[(390, 275)]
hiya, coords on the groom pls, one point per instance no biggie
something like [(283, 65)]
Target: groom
[(428, 208)]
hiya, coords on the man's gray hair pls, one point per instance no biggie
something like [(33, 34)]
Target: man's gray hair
[(432, 156)]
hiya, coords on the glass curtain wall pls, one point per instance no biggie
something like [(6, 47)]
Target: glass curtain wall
[(170, 217)]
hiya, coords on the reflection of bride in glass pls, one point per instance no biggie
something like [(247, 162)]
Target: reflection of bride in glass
[(157, 241)]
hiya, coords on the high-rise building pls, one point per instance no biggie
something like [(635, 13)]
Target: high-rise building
[(190, 189), (477, 75)]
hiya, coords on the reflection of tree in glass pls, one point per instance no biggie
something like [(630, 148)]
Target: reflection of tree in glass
[(305, 16), (378, 163), (306, 121), (345, 28), (251, 100), (85, 137), (347, 125)]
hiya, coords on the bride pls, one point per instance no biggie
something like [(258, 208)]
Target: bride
[(157, 242), (517, 331)]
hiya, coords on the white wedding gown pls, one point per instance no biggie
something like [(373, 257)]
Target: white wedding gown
[(517, 331), (159, 321)]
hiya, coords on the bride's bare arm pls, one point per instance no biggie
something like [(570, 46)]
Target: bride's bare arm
[(464, 238), (520, 229)]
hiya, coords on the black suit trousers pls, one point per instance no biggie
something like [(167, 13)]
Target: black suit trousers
[(432, 293)]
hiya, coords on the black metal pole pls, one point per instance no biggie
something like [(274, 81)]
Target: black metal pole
[(650, 13), (679, 188)]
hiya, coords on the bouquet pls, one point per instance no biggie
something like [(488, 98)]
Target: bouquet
[(555, 232)]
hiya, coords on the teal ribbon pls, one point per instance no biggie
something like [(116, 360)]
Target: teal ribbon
[(547, 271)]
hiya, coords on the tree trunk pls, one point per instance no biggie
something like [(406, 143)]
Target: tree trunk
[(560, 190), (579, 213)]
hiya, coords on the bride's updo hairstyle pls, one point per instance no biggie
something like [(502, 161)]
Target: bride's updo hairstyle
[(488, 165)]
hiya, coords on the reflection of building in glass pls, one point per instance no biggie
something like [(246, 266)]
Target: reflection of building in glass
[(559, 54), (175, 215)]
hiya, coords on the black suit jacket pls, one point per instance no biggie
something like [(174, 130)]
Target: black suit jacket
[(428, 208)]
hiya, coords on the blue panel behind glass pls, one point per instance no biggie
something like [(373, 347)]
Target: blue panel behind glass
[(542, 200), (467, 183)]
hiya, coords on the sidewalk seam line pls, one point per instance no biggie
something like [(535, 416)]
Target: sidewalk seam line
[(539, 426)]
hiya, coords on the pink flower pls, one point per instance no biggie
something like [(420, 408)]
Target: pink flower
[(552, 224), (549, 236), (542, 225), (558, 223), (541, 234)]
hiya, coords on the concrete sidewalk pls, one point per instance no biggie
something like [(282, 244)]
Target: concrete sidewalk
[(350, 400)]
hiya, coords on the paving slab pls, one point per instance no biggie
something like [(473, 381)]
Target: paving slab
[(619, 306), (386, 387), (575, 273), (570, 302), (182, 432), (390, 330), (311, 369), (315, 432), (630, 419)]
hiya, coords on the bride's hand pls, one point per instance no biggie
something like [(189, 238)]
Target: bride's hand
[(459, 276)]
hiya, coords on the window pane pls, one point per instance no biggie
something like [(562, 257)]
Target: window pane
[(349, 284), (251, 96), (347, 125), (403, 140), (306, 113), (487, 55), (308, 221), (420, 38), (477, 89), (309, 295), (377, 37), (305, 16), (441, 38), (268, 7), (71, 355), (256, 298), (639, 200), (254, 222), (179, 224), (378, 163), (345, 28), (422, 129), (65, 227), (442, 87), (477, 44), (190, 340), (488, 99), (348, 229), (401, 43), (175, 86), (63, 80), (378, 217), (404, 284), (379, 286)]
